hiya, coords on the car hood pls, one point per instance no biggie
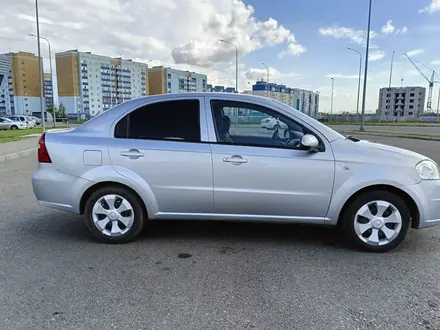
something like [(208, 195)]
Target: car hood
[(389, 149), (375, 153)]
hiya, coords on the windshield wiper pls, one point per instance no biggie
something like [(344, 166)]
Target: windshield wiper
[(349, 137)]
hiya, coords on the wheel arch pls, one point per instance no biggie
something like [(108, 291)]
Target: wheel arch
[(409, 201), (86, 195)]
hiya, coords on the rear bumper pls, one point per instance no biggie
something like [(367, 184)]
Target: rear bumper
[(58, 190), (426, 194)]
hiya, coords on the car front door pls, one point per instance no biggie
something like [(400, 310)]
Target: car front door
[(161, 142), (264, 174)]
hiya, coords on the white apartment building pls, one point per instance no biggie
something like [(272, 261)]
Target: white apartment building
[(90, 83), (164, 80), (401, 103), (303, 100)]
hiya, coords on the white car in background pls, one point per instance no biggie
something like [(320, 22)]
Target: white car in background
[(6, 123), (272, 123), (31, 121), (20, 118)]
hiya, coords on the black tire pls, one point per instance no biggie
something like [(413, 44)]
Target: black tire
[(140, 215), (276, 127), (347, 221), (14, 127)]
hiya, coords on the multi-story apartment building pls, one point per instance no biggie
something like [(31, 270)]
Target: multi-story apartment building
[(167, 80), (91, 84), (220, 89), (48, 90), (305, 101), (19, 83), (401, 103)]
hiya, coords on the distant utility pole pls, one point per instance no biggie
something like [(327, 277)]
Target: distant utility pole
[(366, 69), (40, 69), (331, 104), (236, 62), (267, 74), (359, 82)]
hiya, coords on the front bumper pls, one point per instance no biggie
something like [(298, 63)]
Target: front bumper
[(58, 190), (426, 194)]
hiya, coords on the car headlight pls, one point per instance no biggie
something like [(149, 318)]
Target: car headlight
[(428, 170)]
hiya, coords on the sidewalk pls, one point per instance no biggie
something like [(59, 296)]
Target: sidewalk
[(12, 149)]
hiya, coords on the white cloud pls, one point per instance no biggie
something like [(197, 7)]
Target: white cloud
[(402, 30), (388, 28), (342, 76), (436, 62), (355, 36), (415, 52), (170, 31), (274, 74), (432, 7), (376, 56)]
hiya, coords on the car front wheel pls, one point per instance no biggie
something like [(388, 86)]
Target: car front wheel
[(14, 127), (376, 221), (114, 215)]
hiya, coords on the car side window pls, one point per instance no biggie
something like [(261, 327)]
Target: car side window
[(248, 124), (171, 120)]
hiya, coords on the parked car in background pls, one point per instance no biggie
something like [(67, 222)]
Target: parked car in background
[(21, 119), (272, 123), (172, 157), (36, 120), (31, 121), (6, 123)]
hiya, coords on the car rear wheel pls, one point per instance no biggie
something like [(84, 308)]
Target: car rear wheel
[(376, 221), (114, 215), (14, 127)]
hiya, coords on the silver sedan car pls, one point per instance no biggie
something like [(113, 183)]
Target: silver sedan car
[(179, 157)]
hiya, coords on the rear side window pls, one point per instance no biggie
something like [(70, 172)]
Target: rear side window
[(171, 120)]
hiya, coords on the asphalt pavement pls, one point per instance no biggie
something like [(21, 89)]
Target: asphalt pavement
[(206, 275)]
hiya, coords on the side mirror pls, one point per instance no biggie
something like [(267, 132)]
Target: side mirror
[(310, 141)]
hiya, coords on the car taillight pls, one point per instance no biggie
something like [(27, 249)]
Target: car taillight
[(43, 154)]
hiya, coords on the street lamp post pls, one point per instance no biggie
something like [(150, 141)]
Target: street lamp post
[(267, 74), (51, 73), (359, 82), (236, 63), (331, 104), (148, 78), (40, 71), (366, 69)]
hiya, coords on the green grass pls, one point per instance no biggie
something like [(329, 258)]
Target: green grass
[(10, 139), (404, 134), (383, 123), (22, 132)]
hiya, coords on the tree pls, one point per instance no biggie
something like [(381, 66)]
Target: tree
[(62, 111)]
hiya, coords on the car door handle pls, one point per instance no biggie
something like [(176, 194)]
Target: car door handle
[(132, 154), (235, 160)]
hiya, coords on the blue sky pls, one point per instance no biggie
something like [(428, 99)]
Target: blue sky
[(328, 55), (303, 42)]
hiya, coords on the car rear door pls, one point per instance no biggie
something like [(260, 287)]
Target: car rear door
[(161, 143), (257, 177)]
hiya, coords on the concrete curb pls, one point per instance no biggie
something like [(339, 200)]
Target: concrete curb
[(15, 155), (426, 138)]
